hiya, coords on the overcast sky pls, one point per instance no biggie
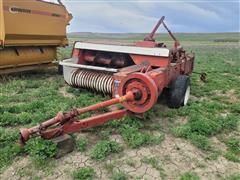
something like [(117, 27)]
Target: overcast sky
[(141, 16)]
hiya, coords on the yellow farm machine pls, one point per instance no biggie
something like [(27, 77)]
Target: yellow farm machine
[(30, 32)]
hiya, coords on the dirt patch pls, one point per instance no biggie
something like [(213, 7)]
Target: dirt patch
[(232, 63), (230, 94), (64, 92), (175, 156), (218, 144)]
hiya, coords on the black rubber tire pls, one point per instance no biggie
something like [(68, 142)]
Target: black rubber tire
[(177, 91), (60, 69)]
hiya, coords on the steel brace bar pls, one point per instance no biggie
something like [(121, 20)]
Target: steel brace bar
[(67, 122)]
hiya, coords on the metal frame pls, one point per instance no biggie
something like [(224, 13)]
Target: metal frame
[(162, 52), (65, 123), (136, 86), (70, 63)]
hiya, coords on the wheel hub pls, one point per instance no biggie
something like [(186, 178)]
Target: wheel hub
[(145, 90)]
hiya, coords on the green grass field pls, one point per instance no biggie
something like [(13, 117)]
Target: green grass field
[(208, 126)]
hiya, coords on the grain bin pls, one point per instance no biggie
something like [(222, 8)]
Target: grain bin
[(30, 32)]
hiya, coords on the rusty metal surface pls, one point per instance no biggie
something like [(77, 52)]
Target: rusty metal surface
[(66, 122), (136, 86), (150, 37), (143, 84), (149, 40)]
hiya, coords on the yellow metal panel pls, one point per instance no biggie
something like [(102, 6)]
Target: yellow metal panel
[(24, 56), (30, 31), (35, 22), (2, 29), (38, 42), (25, 68)]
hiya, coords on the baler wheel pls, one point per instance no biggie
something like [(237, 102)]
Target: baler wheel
[(179, 92), (60, 69)]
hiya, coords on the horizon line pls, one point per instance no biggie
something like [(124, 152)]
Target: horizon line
[(156, 33)]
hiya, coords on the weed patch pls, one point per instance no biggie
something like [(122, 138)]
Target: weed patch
[(109, 167), (40, 151), (9, 149), (155, 126), (85, 173), (189, 176), (229, 155), (200, 141), (105, 134), (233, 144), (235, 176), (119, 175), (200, 127), (81, 144), (7, 155), (133, 137), (233, 150), (213, 155), (131, 162), (104, 148)]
